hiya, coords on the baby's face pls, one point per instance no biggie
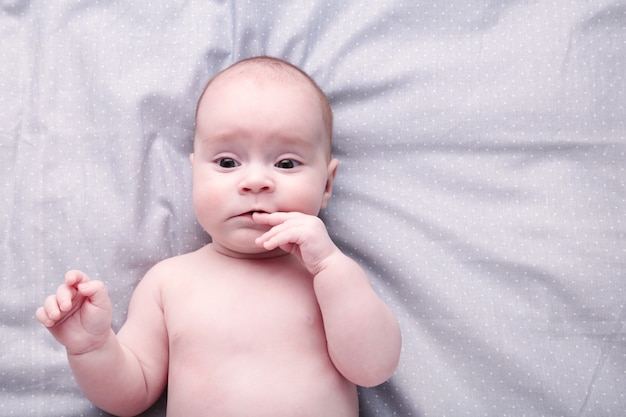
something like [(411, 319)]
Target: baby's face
[(260, 145)]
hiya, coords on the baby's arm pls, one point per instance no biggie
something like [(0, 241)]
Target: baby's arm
[(363, 336), (107, 368)]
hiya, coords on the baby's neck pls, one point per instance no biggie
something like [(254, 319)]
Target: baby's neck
[(222, 250)]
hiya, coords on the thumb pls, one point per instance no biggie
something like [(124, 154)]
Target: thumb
[(96, 292)]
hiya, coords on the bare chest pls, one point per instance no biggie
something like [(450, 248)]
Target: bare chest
[(243, 309), (248, 337)]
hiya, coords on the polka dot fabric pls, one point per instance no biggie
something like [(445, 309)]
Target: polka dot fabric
[(481, 185)]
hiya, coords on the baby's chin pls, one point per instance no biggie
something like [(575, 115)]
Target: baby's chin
[(251, 251)]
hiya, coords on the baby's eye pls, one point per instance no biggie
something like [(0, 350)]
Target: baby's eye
[(227, 163), (286, 164)]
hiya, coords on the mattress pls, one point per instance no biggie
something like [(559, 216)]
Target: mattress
[(481, 185)]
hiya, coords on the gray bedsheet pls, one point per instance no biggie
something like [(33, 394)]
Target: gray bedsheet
[(482, 181)]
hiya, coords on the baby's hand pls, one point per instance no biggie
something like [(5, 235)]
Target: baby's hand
[(302, 235), (79, 314)]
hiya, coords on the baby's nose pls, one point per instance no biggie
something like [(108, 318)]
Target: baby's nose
[(256, 180)]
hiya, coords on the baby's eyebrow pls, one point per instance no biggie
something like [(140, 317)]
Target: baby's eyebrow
[(295, 140), (218, 140), (240, 137)]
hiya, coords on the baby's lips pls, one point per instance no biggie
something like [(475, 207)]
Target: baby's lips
[(256, 215), (249, 213)]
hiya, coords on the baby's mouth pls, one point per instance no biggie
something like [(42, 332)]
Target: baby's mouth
[(251, 213)]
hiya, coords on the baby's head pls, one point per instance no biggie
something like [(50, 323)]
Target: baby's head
[(261, 144), (264, 68)]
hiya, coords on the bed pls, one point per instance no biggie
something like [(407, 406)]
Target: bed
[(482, 182)]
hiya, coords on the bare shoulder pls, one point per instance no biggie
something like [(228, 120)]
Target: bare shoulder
[(172, 269), (148, 296), (167, 269), (161, 273)]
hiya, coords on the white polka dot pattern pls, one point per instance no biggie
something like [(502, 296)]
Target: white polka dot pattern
[(482, 181)]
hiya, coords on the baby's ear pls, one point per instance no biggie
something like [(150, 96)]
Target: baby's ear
[(332, 173), (191, 158)]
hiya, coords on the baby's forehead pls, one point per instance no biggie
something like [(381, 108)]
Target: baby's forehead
[(269, 71)]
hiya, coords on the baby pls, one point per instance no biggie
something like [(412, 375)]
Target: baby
[(270, 318)]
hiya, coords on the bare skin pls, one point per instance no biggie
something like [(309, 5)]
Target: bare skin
[(271, 318), (210, 326)]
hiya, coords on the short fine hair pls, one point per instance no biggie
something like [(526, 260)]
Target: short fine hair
[(267, 66)]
